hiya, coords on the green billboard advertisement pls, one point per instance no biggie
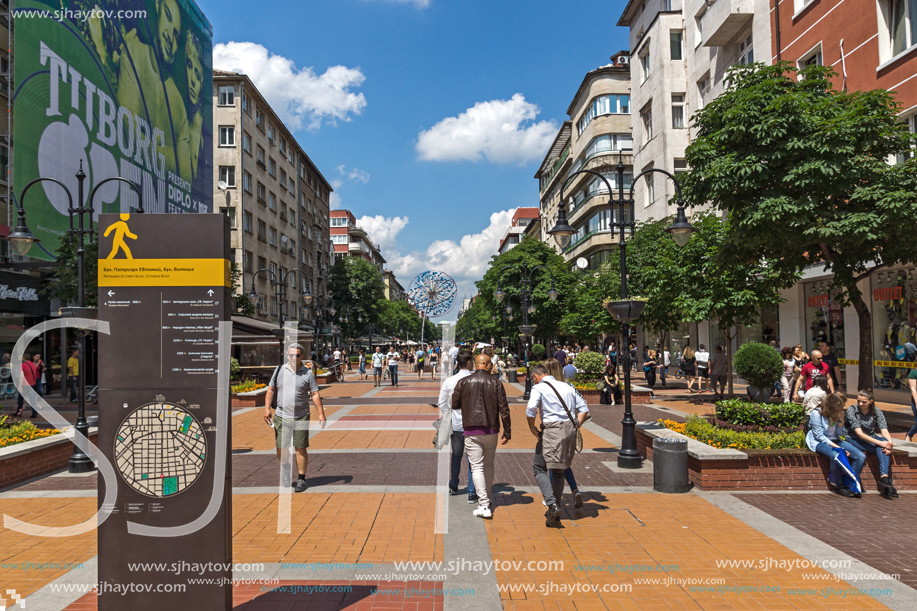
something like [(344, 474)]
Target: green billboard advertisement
[(119, 88)]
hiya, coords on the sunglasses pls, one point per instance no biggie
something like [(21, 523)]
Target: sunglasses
[(295, 356)]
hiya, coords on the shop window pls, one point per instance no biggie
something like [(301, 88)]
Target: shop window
[(894, 315)]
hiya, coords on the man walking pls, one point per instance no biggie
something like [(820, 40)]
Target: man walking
[(815, 367), (393, 358), (73, 374), (482, 402), (294, 384), (703, 368), (665, 359), (719, 368), (465, 361), (557, 402), (378, 363)]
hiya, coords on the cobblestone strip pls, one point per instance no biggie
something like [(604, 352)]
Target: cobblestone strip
[(902, 597)]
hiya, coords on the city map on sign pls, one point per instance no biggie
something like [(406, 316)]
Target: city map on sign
[(160, 449)]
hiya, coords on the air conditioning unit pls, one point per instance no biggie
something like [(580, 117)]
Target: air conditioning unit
[(624, 60)]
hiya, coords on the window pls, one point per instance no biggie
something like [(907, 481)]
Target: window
[(272, 201), (246, 143), (902, 24), (339, 239), (231, 213), (645, 63), (262, 193), (650, 181), (647, 117), (679, 166), (259, 157), (272, 167), (676, 40), (604, 105), (270, 133), (699, 27), (246, 104), (678, 110), (911, 122), (228, 175), (292, 185), (746, 52), (272, 237), (609, 142), (227, 96), (339, 221), (262, 232), (248, 262), (798, 5), (283, 179), (247, 182), (247, 222), (227, 135), (259, 119), (703, 88), (814, 57), (273, 304), (262, 263), (283, 146)]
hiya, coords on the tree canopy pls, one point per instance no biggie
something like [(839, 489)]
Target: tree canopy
[(356, 288)]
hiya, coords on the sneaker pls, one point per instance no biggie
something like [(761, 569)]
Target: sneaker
[(453, 489), (544, 502), (577, 499), (845, 492), (483, 512), (300, 486), (552, 516), (472, 498)]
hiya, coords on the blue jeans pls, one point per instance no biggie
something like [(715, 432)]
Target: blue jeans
[(393, 371), (458, 449), (913, 430), (867, 448), (568, 475), (857, 459)]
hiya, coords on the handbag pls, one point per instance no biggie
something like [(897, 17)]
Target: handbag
[(579, 434)]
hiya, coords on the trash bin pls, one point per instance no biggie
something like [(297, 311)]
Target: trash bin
[(670, 465), (512, 376)]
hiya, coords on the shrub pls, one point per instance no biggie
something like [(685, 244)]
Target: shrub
[(235, 370), (759, 364), (537, 350), (761, 415), (701, 430), (590, 364), (246, 386), (522, 371)]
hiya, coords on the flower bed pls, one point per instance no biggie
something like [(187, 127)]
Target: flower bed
[(11, 434), (246, 386), (706, 432)]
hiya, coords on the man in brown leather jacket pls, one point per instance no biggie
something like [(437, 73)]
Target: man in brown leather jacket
[(480, 397)]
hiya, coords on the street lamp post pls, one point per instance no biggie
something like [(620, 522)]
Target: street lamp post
[(624, 310), (280, 293), (525, 293), (23, 239), (318, 310)]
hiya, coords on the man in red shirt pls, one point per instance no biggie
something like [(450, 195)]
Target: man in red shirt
[(815, 367), (30, 377)]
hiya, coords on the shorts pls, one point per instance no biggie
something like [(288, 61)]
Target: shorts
[(703, 372), (718, 379), (377, 371), (300, 432)]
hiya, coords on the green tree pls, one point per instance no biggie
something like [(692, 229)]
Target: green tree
[(356, 288), (65, 284), (243, 305), (802, 171), (585, 317), (477, 323), (547, 314)]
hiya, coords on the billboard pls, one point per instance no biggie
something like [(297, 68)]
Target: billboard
[(121, 88)]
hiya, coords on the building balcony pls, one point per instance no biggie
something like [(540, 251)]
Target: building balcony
[(724, 20), (605, 161), (590, 244)]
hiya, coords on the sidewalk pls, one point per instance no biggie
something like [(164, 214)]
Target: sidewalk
[(372, 504)]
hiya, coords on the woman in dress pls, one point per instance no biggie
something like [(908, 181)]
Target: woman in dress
[(789, 374), (689, 365)]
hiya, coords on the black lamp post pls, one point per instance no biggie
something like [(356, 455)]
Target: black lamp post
[(318, 310), (23, 239), (280, 293), (625, 310), (525, 329)]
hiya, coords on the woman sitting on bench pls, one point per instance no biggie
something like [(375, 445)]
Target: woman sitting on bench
[(868, 432), (825, 429)]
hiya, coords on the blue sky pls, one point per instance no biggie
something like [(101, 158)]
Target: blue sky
[(429, 116)]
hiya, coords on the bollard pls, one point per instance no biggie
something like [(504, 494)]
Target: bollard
[(670, 465)]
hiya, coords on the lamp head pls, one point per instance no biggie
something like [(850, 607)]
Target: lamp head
[(680, 229), (499, 295), (22, 238), (562, 230)]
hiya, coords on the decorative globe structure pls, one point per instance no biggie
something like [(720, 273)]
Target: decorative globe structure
[(432, 293)]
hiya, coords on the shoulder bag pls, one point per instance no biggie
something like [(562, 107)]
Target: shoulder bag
[(579, 434)]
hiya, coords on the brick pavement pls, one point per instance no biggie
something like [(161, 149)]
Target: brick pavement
[(330, 523)]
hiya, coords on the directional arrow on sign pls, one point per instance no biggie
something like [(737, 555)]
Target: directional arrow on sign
[(210, 292), (111, 293)]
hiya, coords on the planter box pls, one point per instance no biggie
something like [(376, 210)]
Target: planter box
[(325, 378), (712, 468), (638, 395), (24, 461), (252, 398)]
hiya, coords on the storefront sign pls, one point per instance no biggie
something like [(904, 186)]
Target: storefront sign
[(22, 294), (818, 301), (887, 294)]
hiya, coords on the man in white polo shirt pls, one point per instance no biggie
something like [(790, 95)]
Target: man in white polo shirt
[(558, 403)]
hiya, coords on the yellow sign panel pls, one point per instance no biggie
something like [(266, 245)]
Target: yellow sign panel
[(164, 272), (848, 361), (899, 364)]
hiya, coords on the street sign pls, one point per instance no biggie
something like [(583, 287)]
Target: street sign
[(164, 288)]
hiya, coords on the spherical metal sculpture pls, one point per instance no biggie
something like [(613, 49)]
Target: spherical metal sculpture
[(432, 293)]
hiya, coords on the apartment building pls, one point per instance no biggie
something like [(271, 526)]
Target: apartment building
[(522, 218), (393, 289), (275, 197), (597, 137), (351, 240)]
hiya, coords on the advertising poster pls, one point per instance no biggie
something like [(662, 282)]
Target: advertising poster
[(123, 87)]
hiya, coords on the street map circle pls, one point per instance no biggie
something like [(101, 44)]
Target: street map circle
[(160, 449)]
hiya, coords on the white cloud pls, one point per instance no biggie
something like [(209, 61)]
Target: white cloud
[(299, 95), (358, 175), (384, 231), (501, 131), (334, 202)]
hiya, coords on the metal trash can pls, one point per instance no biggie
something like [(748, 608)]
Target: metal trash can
[(670, 465)]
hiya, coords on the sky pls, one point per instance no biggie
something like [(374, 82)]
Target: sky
[(428, 117)]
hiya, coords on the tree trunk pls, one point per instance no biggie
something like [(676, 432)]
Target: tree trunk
[(865, 377), (728, 350)]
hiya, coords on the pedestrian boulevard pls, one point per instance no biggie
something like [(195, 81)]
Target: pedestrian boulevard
[(375, 501)]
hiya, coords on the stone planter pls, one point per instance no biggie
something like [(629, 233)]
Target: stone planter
[(712, 468), (252, 398), (325, 378), (29, 459)]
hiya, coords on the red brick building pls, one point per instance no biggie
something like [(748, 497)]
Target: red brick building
[(521, 219), (351, 240), (871, 44)]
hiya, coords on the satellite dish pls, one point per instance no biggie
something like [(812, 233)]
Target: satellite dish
[(582, 263), (223, 185), (284, 239)]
